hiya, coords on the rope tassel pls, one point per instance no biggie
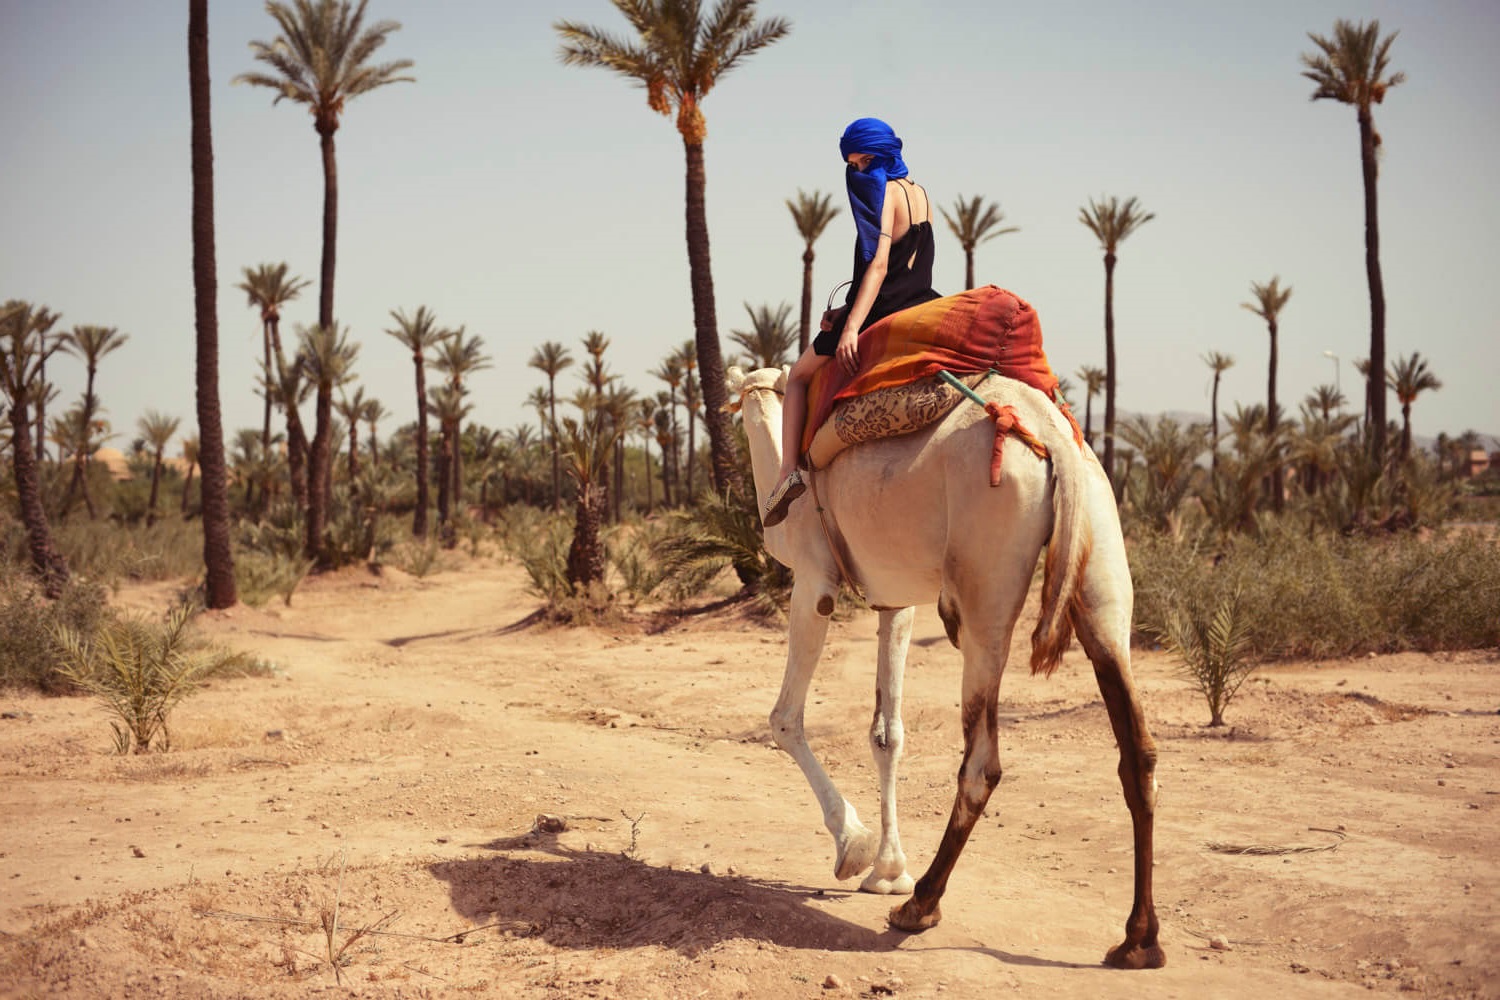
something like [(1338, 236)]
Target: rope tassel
[(1007, 422)]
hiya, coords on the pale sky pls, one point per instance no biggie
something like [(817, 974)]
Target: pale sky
[(529, 201)]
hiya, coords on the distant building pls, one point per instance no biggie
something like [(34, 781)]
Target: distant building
[(1479, 462)]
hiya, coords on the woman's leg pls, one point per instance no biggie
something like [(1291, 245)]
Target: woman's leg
[(794, 409)]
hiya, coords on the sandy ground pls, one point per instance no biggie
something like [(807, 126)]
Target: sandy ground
[(396, 767)]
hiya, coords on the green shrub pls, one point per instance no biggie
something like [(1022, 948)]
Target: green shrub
[(260, 576), (28, 622), (140, 671), (715, 534), (1310, 594), (1214, 649)]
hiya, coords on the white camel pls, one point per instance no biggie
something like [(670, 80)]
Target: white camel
[(917, 521)]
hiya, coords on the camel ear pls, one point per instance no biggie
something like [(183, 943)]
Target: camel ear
[(734, 378), (786, 371)]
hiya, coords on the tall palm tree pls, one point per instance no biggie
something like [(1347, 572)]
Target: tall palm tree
[(322, 59), (419, 333), (1093, 381), (769, 339), (91, 344), (681, 53), (1324, 399), (1270, 299), (646, 424), (42, 321), (447, 404), (974, 222), (20, 364), (1409, 378), (157, 429), (811, 213), (1219, 364), (456, 357), (1111, 221), (550, 359), (327, 356), (1352, 67), (269, 287), (618, 404)]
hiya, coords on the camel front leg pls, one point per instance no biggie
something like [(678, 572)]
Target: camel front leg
[(887, 737), (854, 843)]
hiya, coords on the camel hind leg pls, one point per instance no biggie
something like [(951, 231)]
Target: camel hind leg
[(1101, 616), (887, 738)]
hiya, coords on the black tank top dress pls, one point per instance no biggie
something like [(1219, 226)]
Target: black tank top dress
[(908, 281)]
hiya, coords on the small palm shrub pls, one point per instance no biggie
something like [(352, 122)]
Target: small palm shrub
[(260, 576), (718, 533), (1214, 647), (140, 670)]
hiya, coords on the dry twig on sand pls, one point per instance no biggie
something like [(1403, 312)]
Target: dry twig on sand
[(1218, 847)]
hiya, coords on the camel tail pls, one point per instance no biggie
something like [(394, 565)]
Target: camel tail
[(1067, 556)]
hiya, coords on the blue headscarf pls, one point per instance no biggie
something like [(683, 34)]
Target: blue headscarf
[(867, 188)]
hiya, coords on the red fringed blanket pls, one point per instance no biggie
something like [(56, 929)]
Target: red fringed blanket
[(964, 334)]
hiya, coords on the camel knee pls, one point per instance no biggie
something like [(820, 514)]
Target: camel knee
[(786, 728), (887, 734), (1138, 778)]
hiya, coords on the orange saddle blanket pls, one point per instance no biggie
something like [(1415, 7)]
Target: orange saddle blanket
[(964, 334)]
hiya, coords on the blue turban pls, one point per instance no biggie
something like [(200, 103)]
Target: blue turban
[(867, 188)]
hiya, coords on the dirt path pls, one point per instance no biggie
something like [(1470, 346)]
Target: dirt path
[(399, 761)]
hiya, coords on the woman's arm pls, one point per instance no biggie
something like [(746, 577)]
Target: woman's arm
[(869, 286)]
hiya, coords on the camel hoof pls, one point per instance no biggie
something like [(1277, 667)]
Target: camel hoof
[(913, 918), (901, 885), (856, 855), (1135, 956)]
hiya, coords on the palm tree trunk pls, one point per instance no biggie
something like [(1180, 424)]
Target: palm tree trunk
[(1109, 375), (706, 325), (330, 225), (1406, 432), (265, 430), (419, 516), (692, 449), (218, 556), (46, 561), (317, 477), (1088, 418), (41, 397), (445, 483), (804, 337), (1278, 502), (353, 451), (296, 434), (1375, 381), (646, 459), (155, 488), (187, 488), (552, 437), (585, 554), (968, 267), (456, 470), (1213, 462)]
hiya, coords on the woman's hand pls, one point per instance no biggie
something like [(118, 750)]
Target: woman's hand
[(848, 352)]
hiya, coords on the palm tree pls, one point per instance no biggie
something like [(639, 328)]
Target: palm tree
[(1111, 221), (157, 429), (373, 413), (42, 321), (1169, 452), (670, 372), (1409, 378), (191, 451), (769, 339), (322, 59), (447, 404), (1218, 364), (550, 359), (646, 424), (1270, 299), (812, 213), (617, 405), (1352, 68), (419, 333), (1093, 380), (457, 356), (327, 357), (91, 344), (974, 222), (1324, 399), (20, 365), (682, 52), (352, 409), (268, 287)]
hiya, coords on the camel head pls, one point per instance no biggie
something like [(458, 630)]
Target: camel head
[(757, 397)]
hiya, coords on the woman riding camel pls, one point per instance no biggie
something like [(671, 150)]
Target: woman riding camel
[(893, 253)]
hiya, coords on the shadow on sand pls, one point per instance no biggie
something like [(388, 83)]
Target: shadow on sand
[(596, 899)]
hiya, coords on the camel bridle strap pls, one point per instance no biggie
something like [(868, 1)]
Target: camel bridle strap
[(830, 530)]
